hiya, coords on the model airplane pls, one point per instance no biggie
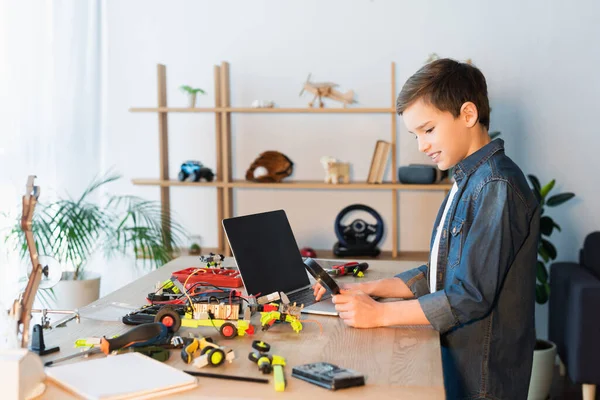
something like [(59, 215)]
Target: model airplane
[(326, 89)]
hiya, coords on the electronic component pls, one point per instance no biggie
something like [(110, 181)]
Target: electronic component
[(328, 375)]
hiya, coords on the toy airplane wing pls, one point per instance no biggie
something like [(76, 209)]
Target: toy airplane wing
[(324, 85)]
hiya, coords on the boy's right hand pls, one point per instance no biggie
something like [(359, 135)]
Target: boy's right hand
[(319, 290)]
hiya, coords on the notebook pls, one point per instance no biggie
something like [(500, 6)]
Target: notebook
[(269, 260), (125, 376)]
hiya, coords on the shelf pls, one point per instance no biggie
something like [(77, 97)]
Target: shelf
[(417, 256), (312, 110), (339, 186), (297, 185), (175, 109), (222, 110), (166, 183), (266, 110)]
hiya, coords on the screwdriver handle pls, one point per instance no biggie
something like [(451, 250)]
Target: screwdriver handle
[(279, 378), (141, 335)]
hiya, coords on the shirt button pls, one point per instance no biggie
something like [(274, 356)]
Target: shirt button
[(454, 231)]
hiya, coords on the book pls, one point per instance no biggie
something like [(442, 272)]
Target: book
[(125, 376), (379, 161)]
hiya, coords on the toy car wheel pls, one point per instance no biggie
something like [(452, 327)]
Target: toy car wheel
[(228, 330), (215, 357), (253, 356), (205, 350), (196, 175), (207, 174), (169, 318), (261, 346), (182, 176)]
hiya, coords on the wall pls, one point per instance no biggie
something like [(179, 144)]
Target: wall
[(538, 57)]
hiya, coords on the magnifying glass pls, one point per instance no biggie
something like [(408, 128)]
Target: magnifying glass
[(321, 276)]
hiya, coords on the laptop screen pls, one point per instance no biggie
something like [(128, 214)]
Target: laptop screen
[(266, 252)]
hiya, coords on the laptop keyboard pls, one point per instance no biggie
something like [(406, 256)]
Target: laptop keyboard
[(306, 297)]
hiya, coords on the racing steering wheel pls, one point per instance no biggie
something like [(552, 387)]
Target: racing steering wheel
[(359, 238)]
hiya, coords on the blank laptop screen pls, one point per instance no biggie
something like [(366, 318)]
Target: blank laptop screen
[(266, 252)]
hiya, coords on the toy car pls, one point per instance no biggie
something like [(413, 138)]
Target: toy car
[(222, 317), (196, 171)]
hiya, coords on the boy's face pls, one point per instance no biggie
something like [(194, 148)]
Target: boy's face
[(445, 139)]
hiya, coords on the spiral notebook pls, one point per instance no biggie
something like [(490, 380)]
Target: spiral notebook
[(125, 376)]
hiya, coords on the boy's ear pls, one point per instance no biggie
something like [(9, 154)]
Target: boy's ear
[(469, 114)]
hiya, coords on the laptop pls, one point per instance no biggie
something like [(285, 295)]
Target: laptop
[(269, 260)]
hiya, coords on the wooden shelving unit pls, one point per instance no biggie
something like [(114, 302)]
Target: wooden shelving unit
[(224, 181)]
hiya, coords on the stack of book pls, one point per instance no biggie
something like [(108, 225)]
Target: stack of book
[(379, 161)]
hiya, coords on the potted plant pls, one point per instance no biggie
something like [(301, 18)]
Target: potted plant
[(195, 249), (72, 230), (191, 94), (544, 354)]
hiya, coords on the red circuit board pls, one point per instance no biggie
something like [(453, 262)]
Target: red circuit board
[(229, 278)]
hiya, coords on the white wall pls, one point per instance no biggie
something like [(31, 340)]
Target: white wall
[(540, 59)]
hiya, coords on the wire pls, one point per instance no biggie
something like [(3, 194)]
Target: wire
[(230, 307), (185, 283), (314, 321)]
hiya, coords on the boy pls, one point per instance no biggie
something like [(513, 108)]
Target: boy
[(478, 289)]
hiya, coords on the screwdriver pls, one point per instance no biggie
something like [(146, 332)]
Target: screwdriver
[(354, 267), (93, 350), (141, 335)]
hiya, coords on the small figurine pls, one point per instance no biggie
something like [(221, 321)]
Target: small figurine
[(326, 89), (213, 260), (196, 170), (335, 171), (280, 310)]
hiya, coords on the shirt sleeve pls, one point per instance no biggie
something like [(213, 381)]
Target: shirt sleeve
[(416, 280), (487, 253)]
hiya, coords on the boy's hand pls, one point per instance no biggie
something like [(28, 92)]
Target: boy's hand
[(358, 309), (319, 290)]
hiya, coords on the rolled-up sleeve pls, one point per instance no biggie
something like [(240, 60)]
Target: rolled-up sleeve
[(416, 280), (487, 253)]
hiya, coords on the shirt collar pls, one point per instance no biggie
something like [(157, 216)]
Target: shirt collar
[(467, 166)]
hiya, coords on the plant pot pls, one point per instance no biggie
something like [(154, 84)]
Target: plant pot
[(192, 100), (71, 294), (542, 370)]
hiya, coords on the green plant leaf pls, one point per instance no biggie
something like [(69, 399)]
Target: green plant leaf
[(547, 188), (541, 293), (535, 182), (559, 199), (546, 225), (543, 253), (549, 248), (557, 226), (541, 272), (72, 230)]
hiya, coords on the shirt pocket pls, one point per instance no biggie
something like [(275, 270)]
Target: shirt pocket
[(456, 242)]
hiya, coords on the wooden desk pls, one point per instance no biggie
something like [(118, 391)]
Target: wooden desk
[(397, 362)]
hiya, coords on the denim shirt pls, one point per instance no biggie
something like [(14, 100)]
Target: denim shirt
[(485, 298)]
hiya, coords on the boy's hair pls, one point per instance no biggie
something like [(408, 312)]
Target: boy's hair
[(447, 84)]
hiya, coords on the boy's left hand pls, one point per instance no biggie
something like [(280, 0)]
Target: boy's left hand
[(358, 309)]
